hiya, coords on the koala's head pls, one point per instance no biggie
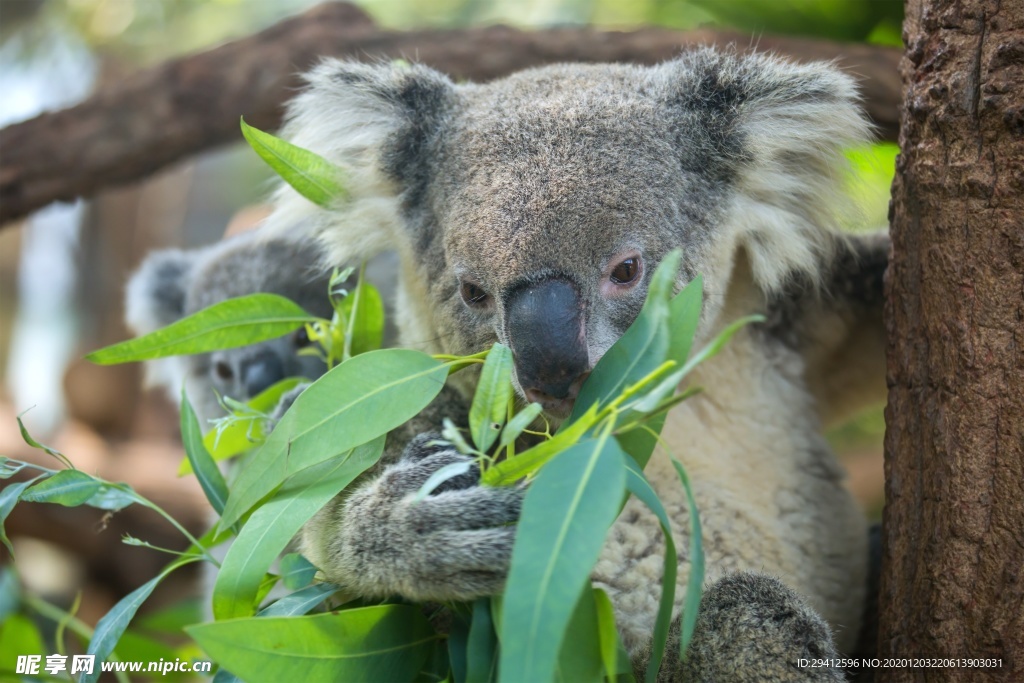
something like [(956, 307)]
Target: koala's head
[(533, 210), (173, 283)]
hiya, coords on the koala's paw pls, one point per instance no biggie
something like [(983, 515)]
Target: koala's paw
[(455, 544)]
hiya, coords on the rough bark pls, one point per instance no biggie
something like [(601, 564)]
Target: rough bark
[(161, 115), (953, 553)]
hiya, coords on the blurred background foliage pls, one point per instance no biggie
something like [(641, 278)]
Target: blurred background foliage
[(63, 271)]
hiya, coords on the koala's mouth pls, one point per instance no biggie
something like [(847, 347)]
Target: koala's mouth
[(558, 407)]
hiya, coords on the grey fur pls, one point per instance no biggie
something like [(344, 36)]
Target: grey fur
[(558, 173), (173, 283)]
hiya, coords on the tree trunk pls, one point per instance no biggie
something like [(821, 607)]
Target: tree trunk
[(953, 549)]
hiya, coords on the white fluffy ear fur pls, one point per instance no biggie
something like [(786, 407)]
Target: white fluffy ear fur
[(795, 121), (348, 113), (155, 294)]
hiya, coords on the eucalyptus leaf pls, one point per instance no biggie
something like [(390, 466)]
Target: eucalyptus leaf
[(366, 331), (9, 496), (579, 660), (565, 516), (8, 467), (274, 524), (113, 624), (363, 398), (481, 645), (301, 601), (312, 176), (449, 471), (490, 402), (296, 571), (70, 488), (236, 322), (381, 643), (519, 422), (113, 497), (695, 581), (608, 636), (638, 485), (210, 478)]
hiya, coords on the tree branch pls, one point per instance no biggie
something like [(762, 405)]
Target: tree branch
[(156, 117)]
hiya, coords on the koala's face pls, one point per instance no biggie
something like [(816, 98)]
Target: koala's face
[(173, 284), (534, 209)]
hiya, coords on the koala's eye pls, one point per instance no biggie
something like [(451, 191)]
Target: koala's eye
[(223, 370), (626, 272), (472, 294), (302, 338)]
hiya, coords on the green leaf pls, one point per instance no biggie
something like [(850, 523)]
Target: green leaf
[(529, 461), (449, 471), (10, 593), (113, 497), (481, 645), (695, 581), (9, 496), (363, 398), (607, 634), (638, 485), (565, 517), (312, 176), (518, 424), (640, 350), (275, 523), (113, 624), (8, 467), (296, 571), (579, 660), (70, 488), (43, 447), (210, 478), (236, 322), (490, 402), (366, 332), (383, 643), (300, 602), (19, 635), (232, 436), (458, 643)]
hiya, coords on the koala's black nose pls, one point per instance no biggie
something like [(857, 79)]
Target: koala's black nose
[(260, 371), (548, 338)]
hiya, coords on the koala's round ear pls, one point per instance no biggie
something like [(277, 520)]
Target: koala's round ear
[(155, 295), (376, 122), (778, 131)]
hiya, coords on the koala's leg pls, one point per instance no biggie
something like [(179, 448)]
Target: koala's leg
[(751, 628)]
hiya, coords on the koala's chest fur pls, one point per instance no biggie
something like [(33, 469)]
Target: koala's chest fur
[(768, 489)]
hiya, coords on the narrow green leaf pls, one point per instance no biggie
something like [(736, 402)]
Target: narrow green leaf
[(490, 402), (529, 461), (565, 517), (359, 400), (232, 437), (458, 644), (579, 659), (638, 485), (640, 350), (276, 522), (8, 467), (383, 643), (27, 438), (312, 176), (69, 488), (296, 571), (607, 633), (10, 593), (518, 424), (113, 624), (9, 496), (449, 471), (112, 497), (452, 434), (300, 602), (481, 645), (716, 344), (210, 478), (236, 322), (367, 330), (695, 581)]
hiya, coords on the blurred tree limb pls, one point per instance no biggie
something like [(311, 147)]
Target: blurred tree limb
[(161, 115)]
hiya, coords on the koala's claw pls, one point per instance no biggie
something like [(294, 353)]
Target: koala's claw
[(454, 544), (286, 401)]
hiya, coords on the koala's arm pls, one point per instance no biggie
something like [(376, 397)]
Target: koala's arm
[(455, 544), (839, 329)]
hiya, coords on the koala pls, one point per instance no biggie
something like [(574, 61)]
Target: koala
[(532, 210), (174, 283)]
